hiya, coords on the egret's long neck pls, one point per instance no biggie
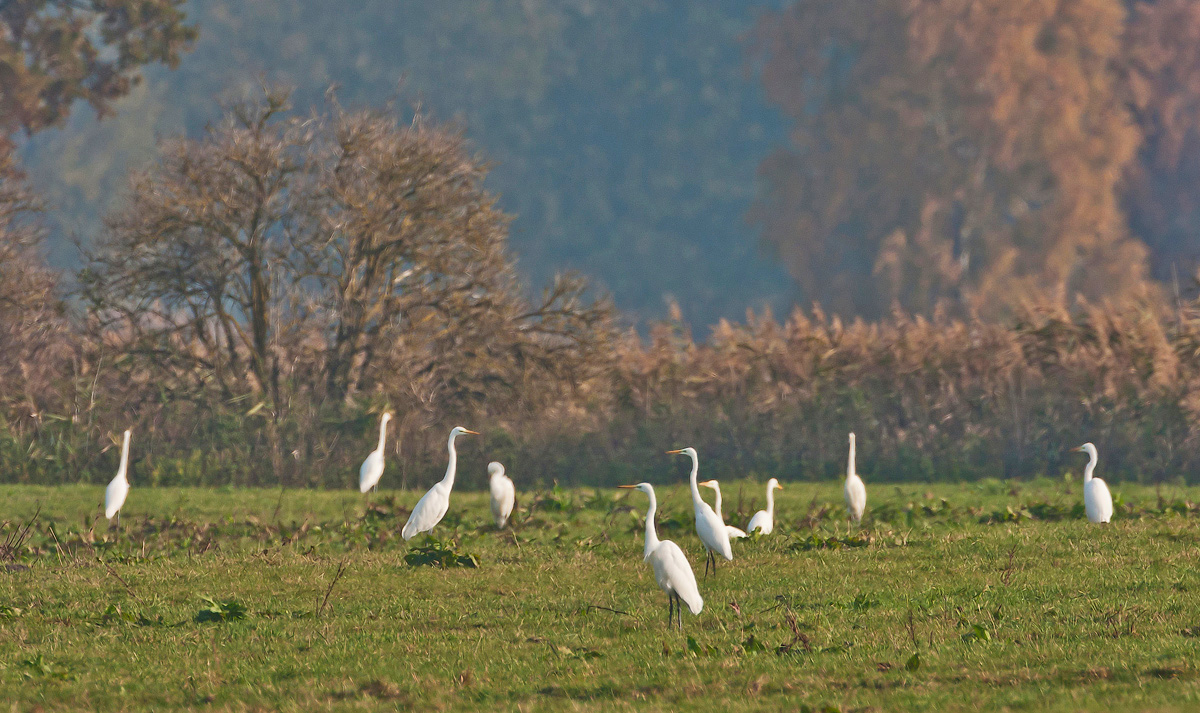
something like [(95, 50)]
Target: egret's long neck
[(771, 500), (1087, 471), (382, 434), (695, 488), (718, 508), (651, 533), (124, 457), (850, 463), (452, 468)]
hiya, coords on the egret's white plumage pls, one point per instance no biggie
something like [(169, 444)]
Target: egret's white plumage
[(1097, 501), (709, 525), (856, 491), (432, 506), (734, 532), (671, 569), (764, 520), (372, 468), (118, 487), (504, 493)]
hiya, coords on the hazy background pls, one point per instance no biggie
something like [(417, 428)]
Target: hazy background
[(624, 136)]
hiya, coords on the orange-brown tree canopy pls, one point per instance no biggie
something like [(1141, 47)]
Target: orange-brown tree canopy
[(962, 152)]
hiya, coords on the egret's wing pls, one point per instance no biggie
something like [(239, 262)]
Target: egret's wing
[(734, 532), (712, 531), (114, 496), (370, 472), (430, 510), (1104, 501), (759, 521), (679, 575)]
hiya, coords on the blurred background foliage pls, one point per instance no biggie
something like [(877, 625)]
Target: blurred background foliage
[(994, 204)]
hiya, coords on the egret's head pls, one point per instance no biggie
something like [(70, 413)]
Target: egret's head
[(644, 487), (128, 432), (851, 439), (495, 468), (711, 484), (685, 451), (387, 416), (1086, 448), (773, 484), (459, 430)]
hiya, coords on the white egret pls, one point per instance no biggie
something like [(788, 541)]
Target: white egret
[(734, 532), (709, 525), (372, 468), (856, 491), (504, 494), (1097, 501), (432, 506), (764, 520), (671, 569), (118, 488)]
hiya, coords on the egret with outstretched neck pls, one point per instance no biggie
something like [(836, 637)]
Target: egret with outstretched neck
[(764, 520), (709, 525), (671, 569), (118, 487), (1097, 501), (432, 506), (855, 490), (734, 532), (503, 493), (372, 468)]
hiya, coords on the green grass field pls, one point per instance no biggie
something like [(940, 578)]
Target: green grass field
[(991, 595)]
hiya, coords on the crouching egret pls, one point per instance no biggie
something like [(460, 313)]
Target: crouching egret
[(118, 488), (671, 569), (432, 506), (764, 520), (503, 493), (709, 525), (856, 492), (372, 468), (734, 532), (1096, 498)]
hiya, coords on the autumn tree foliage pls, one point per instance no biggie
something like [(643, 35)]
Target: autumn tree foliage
[(56, 52), (1161, 187), (949, 152), (297, 259)]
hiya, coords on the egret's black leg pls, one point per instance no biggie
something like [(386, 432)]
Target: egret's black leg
[(670, 607), (679, 611)]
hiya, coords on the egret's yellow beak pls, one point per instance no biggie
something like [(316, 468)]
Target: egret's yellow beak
[(778, 486), (675, 451), (473, 433), (1077, 450), (709, 483), (631, 487)]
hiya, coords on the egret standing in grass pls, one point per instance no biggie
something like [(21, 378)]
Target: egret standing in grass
[(734, 532), (118, 488), (709, 525), (1097, 501), (432, 506), (372, 468), (856, 492), (671, 569), (764, 520), (504, 494)]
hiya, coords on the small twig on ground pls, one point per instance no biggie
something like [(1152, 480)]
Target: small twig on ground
[(597, 606), (1008, 571), (125, 584), (329, 590), (10, 548), (797, 635)]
